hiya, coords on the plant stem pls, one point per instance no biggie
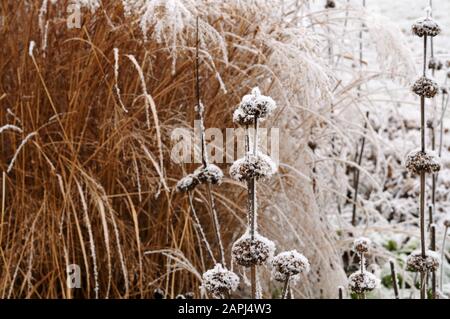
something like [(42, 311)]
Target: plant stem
[(433, 248), (356, 185), (341, 292), (285, 288), (441, 275), (253, 207), (216, 224), (394, 279)]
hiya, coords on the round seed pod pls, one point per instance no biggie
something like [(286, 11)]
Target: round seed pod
[(240, 118), (362, 245), (210, 173), (360, 282), (187, 183), (425, 87), (330, 4), (426, 26), (422, 162), (219, 281), (416, 263), (256, 104), (258, 166), (435, 64), (189, 295), (289, 264), (247, 252)]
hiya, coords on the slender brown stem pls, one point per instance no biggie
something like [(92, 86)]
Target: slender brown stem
[(441, 275), (356, 185), (216, 224), (394, 279), (341, 292), (423, 286), (253, 280), (433, 248)]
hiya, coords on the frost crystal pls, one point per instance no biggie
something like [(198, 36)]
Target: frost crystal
[(247, 252), (289, 264), (418, 162), (362, 245), (258, 166), (425, 87), (256, 104), (219, 281), (426, 26), (210, 174), (417, 263), (360, 282)]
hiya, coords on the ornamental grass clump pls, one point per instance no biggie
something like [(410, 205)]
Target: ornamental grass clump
[(253, 249), (421, 162), (362, 281)]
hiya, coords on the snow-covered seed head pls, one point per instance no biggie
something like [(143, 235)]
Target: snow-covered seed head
[(158, 293), (219, 281), (247, 252), (360, 282), (435, 64), (416, 263), (240, 118), (256, 104), (330, 4), (418, 162), (425, 87), (187, 183), (362, 245), (259, 166), (289, 264), (210, 173), (426, 26)]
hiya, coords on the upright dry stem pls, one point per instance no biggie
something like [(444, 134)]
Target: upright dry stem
[(394, 279)]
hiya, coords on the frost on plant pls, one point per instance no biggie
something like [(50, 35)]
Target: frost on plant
[(256, 104), (219, 281), (361, 282), (425, 87), (258, 166), (247, 252), (211, 174), (426, 26), (362, 245), (289, 265), (418, 162), (187, 183), (417, 263)]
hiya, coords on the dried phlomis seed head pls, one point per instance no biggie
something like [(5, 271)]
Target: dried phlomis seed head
[(258, 166), (360, 282), (249, 252), (425, 87), (289, 264), (219, 281), (418, 162), (426, 26), (362, 245), (417, 263)]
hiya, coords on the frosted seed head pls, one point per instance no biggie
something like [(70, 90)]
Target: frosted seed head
[(256, 104), (247, 252), (426, 26), (360, 282), (189, 295), (435, 64), (260, 167), (289, 264), (426, 162), (425, 87), (362, 245), (240, 118), (187, 183), (330, 4), (219, 281), (180, 296), (211, 174), (416, 263)]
